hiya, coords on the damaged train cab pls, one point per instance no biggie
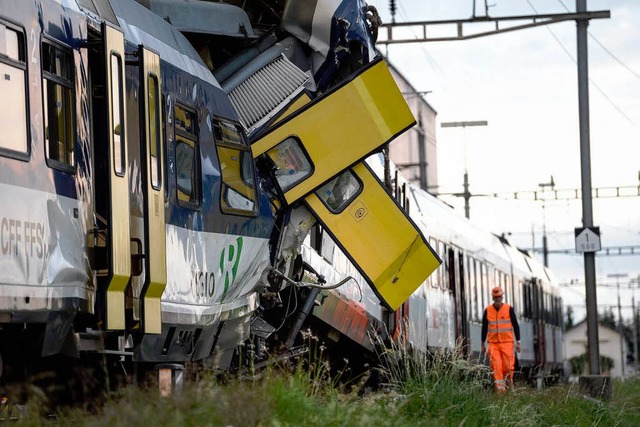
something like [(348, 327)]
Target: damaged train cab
[(162, 162)]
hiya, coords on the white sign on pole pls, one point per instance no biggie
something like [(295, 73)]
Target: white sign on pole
[(587, 239)]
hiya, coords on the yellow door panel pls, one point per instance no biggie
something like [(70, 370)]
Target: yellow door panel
[(297, 103), (335, 131), (375, 233), (155, 261), (119, 228)]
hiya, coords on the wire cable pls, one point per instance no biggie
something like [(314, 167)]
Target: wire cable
[(618, 60), (595, 85)]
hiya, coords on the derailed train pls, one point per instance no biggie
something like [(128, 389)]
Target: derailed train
[(162, 162), (153, 154)]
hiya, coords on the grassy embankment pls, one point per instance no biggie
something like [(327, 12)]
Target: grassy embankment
[(440, 391)]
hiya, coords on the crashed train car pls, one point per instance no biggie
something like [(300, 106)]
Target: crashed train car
[(162, 162), (445, 311)]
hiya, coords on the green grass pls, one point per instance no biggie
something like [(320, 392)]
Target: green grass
[(439, 390)]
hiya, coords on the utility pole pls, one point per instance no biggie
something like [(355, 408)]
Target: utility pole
[(585, 168), (422, 154), (465, 178), (582, 17), (545, 248)]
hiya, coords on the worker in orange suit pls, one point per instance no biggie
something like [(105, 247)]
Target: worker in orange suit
[(499, 328)]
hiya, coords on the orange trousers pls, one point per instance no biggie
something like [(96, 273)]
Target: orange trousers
[(502, 359)]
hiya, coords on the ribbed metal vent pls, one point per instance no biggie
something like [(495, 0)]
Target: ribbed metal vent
[(257, 98)]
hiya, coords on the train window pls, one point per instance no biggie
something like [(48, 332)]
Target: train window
[(238, 193), (468, 285), (292, 164), (442, 270), (338, 193), (58, 90), (13, 112), (509, 288), (186, 157), (154, 131), (477, 289), (117, 111), (528, 308), (485, 285)]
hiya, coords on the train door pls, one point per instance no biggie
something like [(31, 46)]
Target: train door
[(152, 162), (458, 288), (111, 239), (537, 318)]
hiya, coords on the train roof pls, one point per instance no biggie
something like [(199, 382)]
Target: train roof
[(142, 26), (205, 17)]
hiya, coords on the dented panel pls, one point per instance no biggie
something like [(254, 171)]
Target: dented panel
[(341, 128), (380, 239), (209, 271), (43, 260)]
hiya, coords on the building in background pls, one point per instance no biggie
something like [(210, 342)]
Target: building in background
[(575, 344), (415, 152)]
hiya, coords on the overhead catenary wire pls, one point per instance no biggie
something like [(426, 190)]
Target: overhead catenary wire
[(618, 60), (595, 85)]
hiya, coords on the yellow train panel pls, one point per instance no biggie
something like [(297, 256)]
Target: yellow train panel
[(119, 180), (156, 279), (379, 238), (336, 131)]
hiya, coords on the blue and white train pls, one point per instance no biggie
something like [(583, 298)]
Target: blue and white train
[(162, 163), (153, 159)]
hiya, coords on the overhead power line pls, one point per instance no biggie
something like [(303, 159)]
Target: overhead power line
[(605, 251), (595, 85), (559, 194)]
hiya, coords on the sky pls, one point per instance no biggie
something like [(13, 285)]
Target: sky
[(524, 84)]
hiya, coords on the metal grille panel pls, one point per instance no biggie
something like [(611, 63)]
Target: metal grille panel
[(258, 97)]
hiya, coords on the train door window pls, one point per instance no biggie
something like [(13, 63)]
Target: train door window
[(456, 269), (154, 131), (117, 112), (58, 90), (238, 195), (187, 163), (509, 287), (444, 276), (434, 278), (292, 163), (520, 291), (338, 193), (13, 111), (468, 285), (528, 311), (547, 307), (485, 285), (477, 289)]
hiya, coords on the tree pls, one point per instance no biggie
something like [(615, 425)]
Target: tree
[(580, 363), (608, 319), (568, 320)]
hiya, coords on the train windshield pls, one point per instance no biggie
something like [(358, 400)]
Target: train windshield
[(337, 193)]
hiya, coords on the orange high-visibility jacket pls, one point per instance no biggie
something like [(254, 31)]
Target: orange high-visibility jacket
[(499, 322)]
